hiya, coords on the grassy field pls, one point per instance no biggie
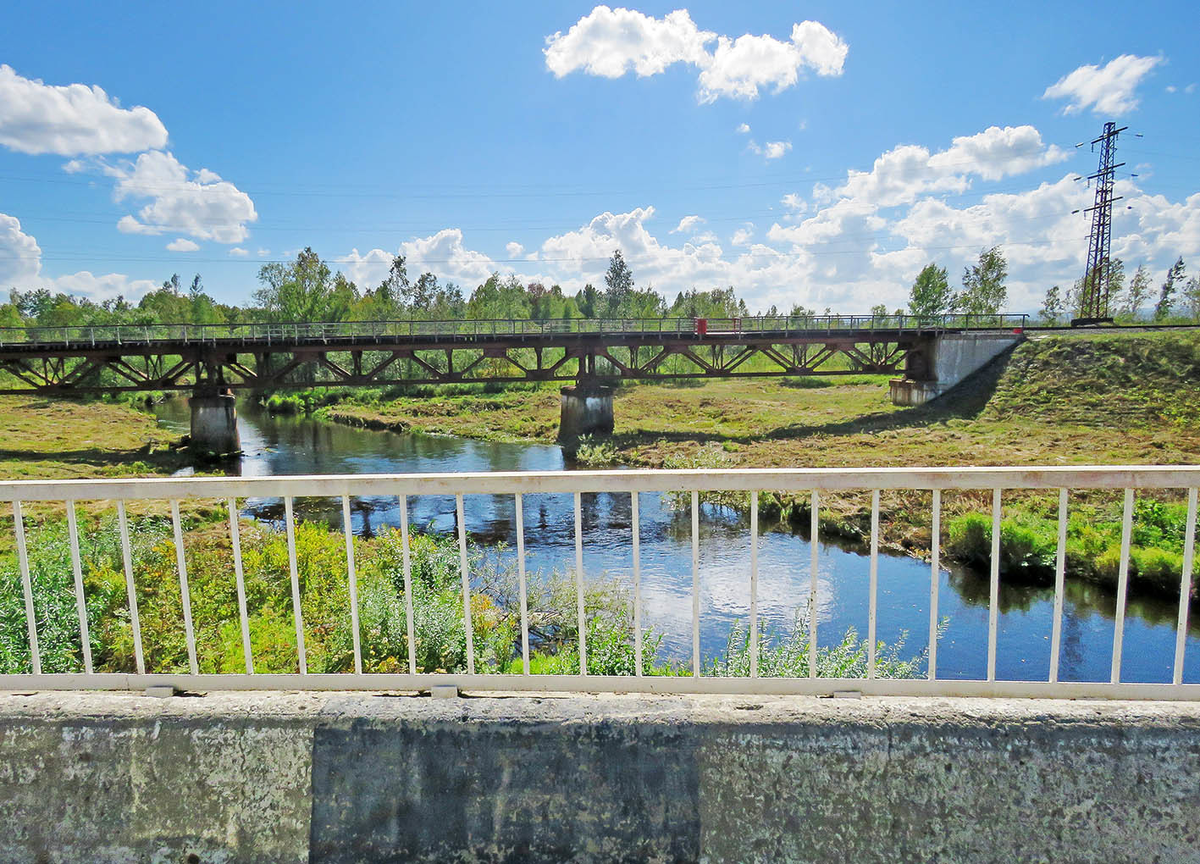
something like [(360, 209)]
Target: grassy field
[(1059, 400), (44, 439)]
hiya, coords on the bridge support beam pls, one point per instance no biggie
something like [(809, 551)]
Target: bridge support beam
[(587, 409), (214, 423)]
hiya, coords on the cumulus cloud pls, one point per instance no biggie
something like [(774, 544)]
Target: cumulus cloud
[(740, 67), (71, 120), (513, 249), (772, 149), (20, 255), (1108, 90), (905, 172), (102, 287), (21, 268), (687, 224), (442, 254), (182, 244), (238, 252), (611, 42), (199, 204), (743, 129)]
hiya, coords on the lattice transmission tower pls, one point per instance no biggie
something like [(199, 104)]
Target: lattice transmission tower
[(1096, 288)]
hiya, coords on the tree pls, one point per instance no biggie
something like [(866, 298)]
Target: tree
[(984, 292), (619, 280), (1138, 293), (1191, 296), (930, 295), (304, 290), (1166, 294), (588, 301), (717, 303), (1053, 307)]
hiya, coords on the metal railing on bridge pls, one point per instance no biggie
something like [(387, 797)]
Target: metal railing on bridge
[(365, 331), (807, 482)]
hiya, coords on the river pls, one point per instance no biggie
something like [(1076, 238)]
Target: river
[(276, 445)]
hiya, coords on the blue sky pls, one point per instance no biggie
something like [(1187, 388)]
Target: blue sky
[(804, 153)]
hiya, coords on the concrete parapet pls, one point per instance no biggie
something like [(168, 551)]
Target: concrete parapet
[(586, 410), (214, 423), (335, 777)]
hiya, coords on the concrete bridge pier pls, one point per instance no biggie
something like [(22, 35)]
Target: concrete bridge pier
[(214, 422), (587, 409)]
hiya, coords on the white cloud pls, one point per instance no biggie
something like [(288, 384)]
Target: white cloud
[(687, 224), (102, 287), (238, 252), (513, 249), (21, 268), (795, 203), (742, 236), (202, 206), (741, 66), (263, 253), (1171, 88), (182, 244), (744, 129), (442, 254), (20, 255), (902, 174), (610, 42), (772, 149), (70, 120), (1106, 90)]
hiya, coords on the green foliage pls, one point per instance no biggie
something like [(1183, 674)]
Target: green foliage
[(305, 290), (594, 452), (1029, 544), (1166, 295), (785, 654), (984, 292), (1053, 306), (930, 295)]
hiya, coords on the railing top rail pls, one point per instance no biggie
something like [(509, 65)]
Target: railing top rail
[(686, 480)]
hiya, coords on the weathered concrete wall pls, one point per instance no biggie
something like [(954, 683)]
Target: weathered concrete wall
[(365, 777), (214, 423), (947, 361), (585, 410)]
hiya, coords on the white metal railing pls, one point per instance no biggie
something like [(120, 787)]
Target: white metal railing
[(814, 482)]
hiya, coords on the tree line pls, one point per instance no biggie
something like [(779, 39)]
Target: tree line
[(1177, 298), (308, 289)]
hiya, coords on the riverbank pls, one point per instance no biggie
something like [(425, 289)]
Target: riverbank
[(58, 439)]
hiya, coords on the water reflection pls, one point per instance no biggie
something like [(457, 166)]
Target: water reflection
[(291, 445)]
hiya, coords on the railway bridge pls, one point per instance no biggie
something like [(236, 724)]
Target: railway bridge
[(212, 361)]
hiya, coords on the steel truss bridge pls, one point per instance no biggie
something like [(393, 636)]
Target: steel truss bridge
[(108, 359)]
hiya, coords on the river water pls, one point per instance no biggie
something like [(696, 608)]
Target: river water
[(276, 445)]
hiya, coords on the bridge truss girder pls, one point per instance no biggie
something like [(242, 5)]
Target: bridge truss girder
[(141, 368)]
